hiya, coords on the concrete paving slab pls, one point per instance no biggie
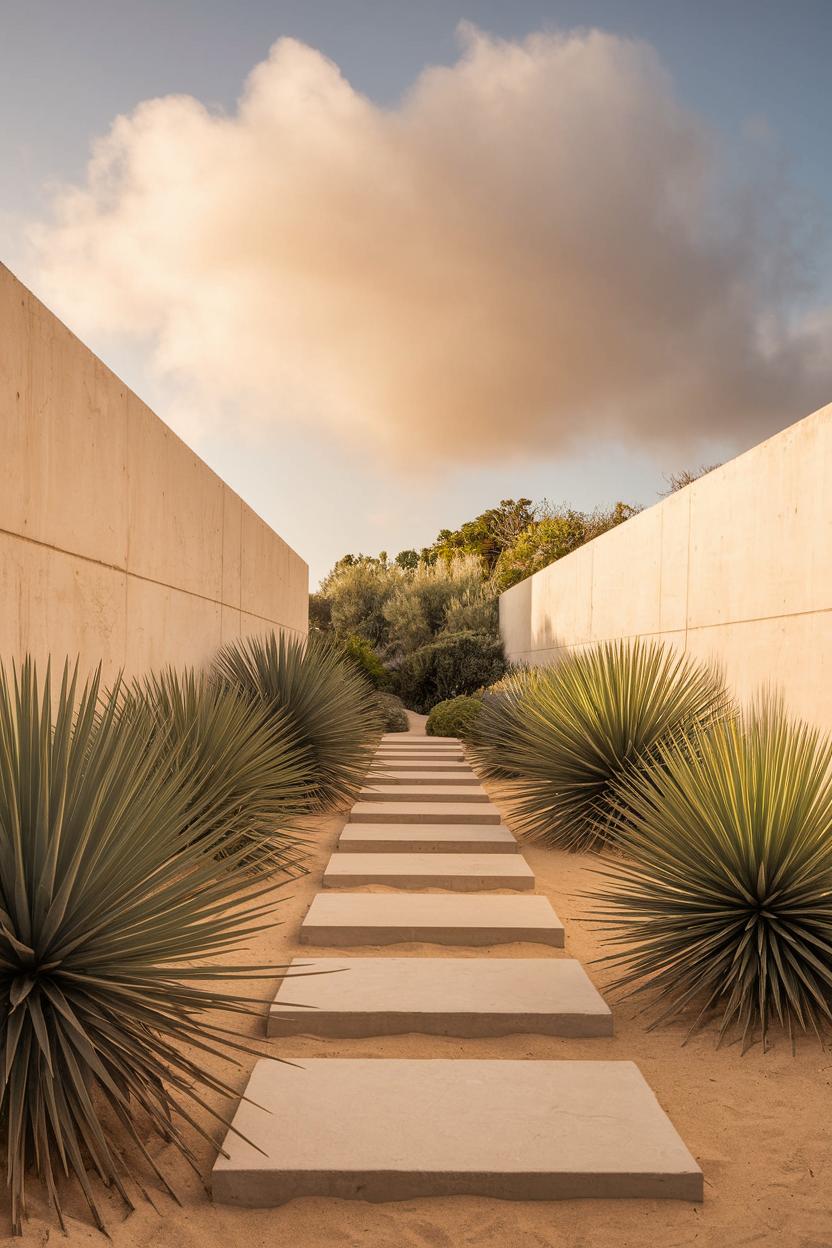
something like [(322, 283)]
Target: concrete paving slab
[(425, 746), (350, 919), (400, 838), (459, 872), (417, 779), (375, 791), (454, 756), (418, 766), (424, 812), (381, 1129), (438, 996), (418, 738)]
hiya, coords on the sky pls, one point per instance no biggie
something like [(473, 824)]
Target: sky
[(383, 264)]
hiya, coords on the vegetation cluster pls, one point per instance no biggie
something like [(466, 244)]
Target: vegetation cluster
[(144, 831), (425, 623), (713, 825)]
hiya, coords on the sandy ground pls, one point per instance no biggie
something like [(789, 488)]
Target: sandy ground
[(758, 1125)]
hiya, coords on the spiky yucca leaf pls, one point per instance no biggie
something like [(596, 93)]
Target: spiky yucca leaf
[(723, 899), (331, 707), (113, 924), (246, 769), (562, 736)]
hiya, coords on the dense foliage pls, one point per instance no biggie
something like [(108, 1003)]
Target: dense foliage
[(723, 900), (564, 736), (456, 717), (394, 715), (553, 533), (359, 651), (115, 919), (396, 607), (330, 707), (454, 664)]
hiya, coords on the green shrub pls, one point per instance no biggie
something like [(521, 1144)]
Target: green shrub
[(394, 715), (430, 597), (563, 736), (453, 664), (362, 654), (455, 717), (723, 900), (249, 771), (114, 940), (331, 709)]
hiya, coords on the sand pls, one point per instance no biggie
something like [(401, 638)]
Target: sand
[(759, 1125)]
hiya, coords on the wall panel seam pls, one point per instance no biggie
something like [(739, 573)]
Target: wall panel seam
[(138, 576)]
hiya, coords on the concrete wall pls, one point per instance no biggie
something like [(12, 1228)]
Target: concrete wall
[(737, 566), (117, 543)]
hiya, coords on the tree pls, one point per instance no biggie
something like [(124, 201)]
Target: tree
[(357, 592), (558, 532), (678, 480), (489, 534)]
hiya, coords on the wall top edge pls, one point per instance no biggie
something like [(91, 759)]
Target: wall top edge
[(820, 415), (6, 275)]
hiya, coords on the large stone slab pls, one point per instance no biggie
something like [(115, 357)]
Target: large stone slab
[(438, 996), (378, 792), (424, 746), (350, 919), (424, 812), (414, 838), (396, 737), (453, 756), (418, 766), (464, 778), (460, 872), (373, 1129)]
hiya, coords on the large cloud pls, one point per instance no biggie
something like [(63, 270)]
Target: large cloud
[(536, 246)]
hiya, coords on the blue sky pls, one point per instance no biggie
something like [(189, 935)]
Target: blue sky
[(66, 71)]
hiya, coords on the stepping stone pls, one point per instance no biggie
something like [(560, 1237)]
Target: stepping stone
[(349, 919), (381, 1129), (424, 747), (424, 812), (418, 778), (438, 996), (460, 872), (453, 756), (416, 767), (421, 738), (427, 793), (429, 839)]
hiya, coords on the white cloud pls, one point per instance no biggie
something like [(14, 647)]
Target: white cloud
[(537, 247)]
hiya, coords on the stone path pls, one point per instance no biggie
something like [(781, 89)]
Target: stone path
[(396, 1129)]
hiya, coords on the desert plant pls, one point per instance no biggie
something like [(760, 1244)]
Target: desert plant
[(453, 664), (563, 736), (330, 707), (723, 899), (114, 927), (454, 717), (394, 716), (250, 772)]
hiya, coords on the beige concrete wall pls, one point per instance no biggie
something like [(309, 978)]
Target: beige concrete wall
[(117, 543), (737, 567)]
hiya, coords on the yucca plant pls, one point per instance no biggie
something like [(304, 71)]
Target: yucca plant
[(563, 736), (113, 927), (331, 708), (247, 770), (722, 901)]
